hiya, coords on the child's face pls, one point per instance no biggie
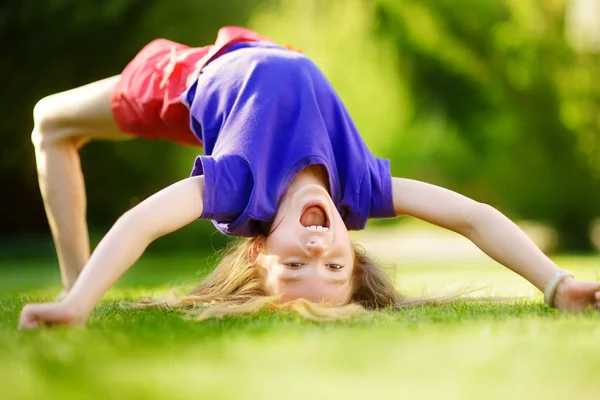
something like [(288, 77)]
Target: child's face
[(309, 254)]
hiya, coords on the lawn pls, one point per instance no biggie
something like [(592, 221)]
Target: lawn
[(479, 350)]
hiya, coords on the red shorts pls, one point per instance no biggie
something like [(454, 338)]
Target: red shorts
[(145, 102)]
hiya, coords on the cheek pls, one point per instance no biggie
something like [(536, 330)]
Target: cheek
[(279, 242), (341, 296), (272, 284)]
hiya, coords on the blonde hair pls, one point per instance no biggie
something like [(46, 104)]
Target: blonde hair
[(236, 286)]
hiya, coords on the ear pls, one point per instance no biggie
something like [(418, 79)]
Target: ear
[(255, 251), (257, 255)]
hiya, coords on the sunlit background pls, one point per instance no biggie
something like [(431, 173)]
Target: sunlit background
[(498, 100)]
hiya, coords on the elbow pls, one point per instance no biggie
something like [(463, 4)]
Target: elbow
[(479, 214)]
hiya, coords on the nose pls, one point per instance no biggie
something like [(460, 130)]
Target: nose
[(316, 246)]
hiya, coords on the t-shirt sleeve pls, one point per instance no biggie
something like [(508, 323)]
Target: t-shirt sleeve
[(382, 202), (370, 196), (228, 184)]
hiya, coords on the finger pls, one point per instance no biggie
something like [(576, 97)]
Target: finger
[(591, 292), (28, 319), (29, 324), (33, 315)]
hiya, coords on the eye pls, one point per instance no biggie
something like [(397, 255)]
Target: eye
[(335, 267), (294, 264)]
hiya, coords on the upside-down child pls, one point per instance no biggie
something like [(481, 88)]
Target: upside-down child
[(284, 167)]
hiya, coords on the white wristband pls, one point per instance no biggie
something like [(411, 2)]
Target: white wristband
[(551, 287)]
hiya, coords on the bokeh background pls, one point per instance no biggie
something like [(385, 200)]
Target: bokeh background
[(497, 99)]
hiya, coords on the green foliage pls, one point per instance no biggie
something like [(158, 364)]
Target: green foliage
[(487, 98), (54, 46), (49, 47), (494, 73)]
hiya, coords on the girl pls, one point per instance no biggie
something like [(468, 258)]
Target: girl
[(284, 166)]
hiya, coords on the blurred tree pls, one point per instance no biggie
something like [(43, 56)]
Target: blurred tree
[(473, 95), (496, 73), (49, 47), (487, 98)]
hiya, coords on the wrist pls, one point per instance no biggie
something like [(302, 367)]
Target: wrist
[(562, 290), (555, 288), (78, 307)]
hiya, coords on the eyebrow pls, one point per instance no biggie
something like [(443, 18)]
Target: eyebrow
[(294, 279)]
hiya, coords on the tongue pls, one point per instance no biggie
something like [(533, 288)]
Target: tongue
[(313, 215)]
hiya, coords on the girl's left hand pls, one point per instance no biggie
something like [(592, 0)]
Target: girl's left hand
[(573, 296)]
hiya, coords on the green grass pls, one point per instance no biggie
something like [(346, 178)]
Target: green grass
[(481, 350)]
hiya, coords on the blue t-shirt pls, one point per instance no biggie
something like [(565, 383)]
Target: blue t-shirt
[(265, 113)]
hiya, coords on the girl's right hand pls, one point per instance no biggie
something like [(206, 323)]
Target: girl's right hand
[(59, 313)]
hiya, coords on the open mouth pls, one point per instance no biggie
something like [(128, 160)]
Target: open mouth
[(315, 216)]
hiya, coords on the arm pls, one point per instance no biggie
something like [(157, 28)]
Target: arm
[(160, 214), (488, 229)]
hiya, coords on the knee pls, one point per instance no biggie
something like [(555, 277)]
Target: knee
[(42, 114), (47, 127)]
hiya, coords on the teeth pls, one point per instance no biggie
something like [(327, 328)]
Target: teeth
[(318, 228)]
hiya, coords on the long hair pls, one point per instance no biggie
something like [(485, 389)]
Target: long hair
[(236, 286)]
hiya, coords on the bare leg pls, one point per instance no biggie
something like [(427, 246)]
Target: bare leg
[(63, 123)]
